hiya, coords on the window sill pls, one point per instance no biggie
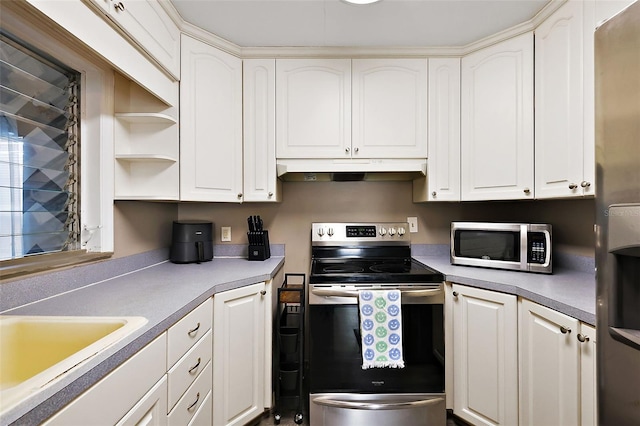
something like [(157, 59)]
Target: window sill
[(32, 265)]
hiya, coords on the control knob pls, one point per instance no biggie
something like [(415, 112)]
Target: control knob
[(392, 231), (382, 231), (401, 231), (320, 232), (330, 232)]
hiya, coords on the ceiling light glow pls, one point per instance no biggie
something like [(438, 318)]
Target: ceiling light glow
[(360, 1)]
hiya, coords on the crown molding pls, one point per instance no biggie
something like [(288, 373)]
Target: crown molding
[(356, 52)]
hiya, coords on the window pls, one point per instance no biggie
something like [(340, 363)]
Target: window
[(39, 153), (94, 213)]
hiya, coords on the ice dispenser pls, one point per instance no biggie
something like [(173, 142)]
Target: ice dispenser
[(624, 253)]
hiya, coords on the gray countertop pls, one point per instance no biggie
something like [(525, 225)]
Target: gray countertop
[(571, 292), (163, 293)]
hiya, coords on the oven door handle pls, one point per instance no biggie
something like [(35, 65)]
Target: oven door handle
[(354, 293), (358, 405)]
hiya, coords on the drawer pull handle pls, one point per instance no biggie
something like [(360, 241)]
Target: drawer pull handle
[(194, 330), (119, 6), (565, 330), (192, 406), (195, 367)]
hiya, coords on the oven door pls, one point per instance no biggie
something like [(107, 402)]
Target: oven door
[(342, 393), (335, 357)]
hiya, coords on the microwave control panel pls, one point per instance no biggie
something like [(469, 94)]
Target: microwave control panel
[(537, 250)]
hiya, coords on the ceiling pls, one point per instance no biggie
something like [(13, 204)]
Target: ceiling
[(389, 23)]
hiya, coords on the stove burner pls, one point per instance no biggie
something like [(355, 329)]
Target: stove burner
[(342, 268), (393, 268)]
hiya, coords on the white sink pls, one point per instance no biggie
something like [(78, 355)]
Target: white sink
[(37, 350)]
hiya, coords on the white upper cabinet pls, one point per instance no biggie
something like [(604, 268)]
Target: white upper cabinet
[(563, 145), (389, 108), (350, 109), (259, 91), (313, 104), (443, 168), (211, 124), (146, 22), (497, 121)]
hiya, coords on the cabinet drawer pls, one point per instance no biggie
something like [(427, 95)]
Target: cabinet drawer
[(204, 415), (188, 367), (151, 410), (122, 389), (186, 332), (192, 400)]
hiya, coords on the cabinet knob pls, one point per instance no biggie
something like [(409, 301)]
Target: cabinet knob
[(433, 194), (585, 184), (347, 150), (356, 149), (455, 294), (564, 330), (263, 292), (240, 195), (582, 338), (270, 194), (119, 6), (527, 191), (572, 186)]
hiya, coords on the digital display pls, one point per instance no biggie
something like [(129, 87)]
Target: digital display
[(361, 231)]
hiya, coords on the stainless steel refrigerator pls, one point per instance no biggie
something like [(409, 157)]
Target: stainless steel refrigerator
[(617, 73)]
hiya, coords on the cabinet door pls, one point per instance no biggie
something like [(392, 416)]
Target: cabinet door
[(238, 355), (588, 383), (497, 121), (443, 170), (549, 367), (148, 24), (559, 122), (259, 92), (313, 104), (389, 101), (485, 360), (211, 124)]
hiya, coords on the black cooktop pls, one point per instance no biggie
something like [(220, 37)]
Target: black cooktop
[(360, 270)]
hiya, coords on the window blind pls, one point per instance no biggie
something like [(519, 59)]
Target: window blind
[(39, 153)]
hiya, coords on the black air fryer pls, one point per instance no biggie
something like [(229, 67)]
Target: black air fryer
[(192, 241)]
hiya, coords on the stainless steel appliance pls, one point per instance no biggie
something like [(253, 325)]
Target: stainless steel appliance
[(617, 71), (346, 259), (514, 246)]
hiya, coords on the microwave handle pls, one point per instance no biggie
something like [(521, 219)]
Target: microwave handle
[(354, 293)]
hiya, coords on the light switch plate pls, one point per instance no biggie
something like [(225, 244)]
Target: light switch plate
[(225, 234), (413, 224)]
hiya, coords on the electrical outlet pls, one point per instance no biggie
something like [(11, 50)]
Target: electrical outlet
[(225, 234), (413, 224)]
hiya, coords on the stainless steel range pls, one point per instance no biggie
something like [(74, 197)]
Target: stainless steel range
[(348, 259)]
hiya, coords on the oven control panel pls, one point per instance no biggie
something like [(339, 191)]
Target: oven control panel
[(354, 233)]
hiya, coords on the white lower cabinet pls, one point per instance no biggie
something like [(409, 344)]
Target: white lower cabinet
[(485, 356), (239, 341), (557, 368), (119, 395)]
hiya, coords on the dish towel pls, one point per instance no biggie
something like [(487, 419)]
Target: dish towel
[(381, 328)]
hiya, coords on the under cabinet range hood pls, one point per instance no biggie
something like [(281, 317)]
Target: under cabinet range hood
[(351, 170)]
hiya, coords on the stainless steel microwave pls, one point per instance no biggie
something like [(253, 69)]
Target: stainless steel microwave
[(514, 246)]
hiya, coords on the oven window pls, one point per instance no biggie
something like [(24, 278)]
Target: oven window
[(336, 357), (495, 245)]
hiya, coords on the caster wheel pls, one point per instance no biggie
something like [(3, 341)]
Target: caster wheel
[(277, 418), (298, 419)]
